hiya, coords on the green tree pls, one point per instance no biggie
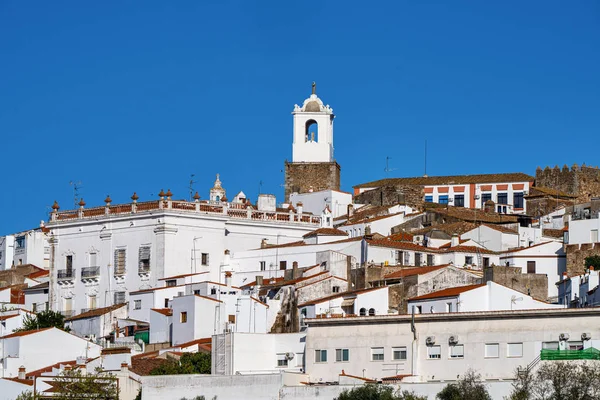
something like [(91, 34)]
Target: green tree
[(74, 385), (26, 395), (469, 387), (377, 392), (44, 319), (593, 261), (199, 398), (189, 363)]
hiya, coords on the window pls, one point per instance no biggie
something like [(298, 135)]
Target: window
[(335, 289), (119, 298), (282, 361), (443, 199), (430, 259), (399, 353), (231, 319), (320, 356), (204, 258), (459, 200), (166, 303), (197, 292), (263, 265), (144, 259), (20, 242), (492, 350), (434, 352), (282, 265), (468, 260), (449, 307), (363, 312), (486, 261), (93, 259), (417, 309), (418, 259), (342, 355), (485, 197), (550, 346), (514, 350), (428, 199), (137, 304), (575, 346), (34, 308), (518, 200), (531, 267), (594, 235), (377, 354), (120, 261), (68, 305), (92, 302), (457, 351), (371, 311), (183, 317), (171, 282), (69, 263), (406, 258), (399, 257), (213, 290), (502, 198)]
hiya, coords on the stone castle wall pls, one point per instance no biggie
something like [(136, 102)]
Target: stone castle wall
[(301, 177), (411, 195), (576, 255), (583, 182)]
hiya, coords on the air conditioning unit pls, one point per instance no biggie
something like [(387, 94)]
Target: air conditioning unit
[(289, 355), (430, 340), (586, 336), (563, 336), (453, 339)]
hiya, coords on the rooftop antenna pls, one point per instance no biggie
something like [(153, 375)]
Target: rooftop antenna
[(387, 168), (260, 183), (191, 187), (76, 187), (425, 175)]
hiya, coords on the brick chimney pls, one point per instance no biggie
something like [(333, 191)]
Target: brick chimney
[(22, 374), (295, 271), (228, 278), (124, 367), (350, 210)]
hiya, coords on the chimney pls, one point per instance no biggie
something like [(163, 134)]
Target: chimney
[(228, 278), (124, 367), (299, 208), (564, 276), (227, 257), (455, 241), (22, 374), (295, 271), (263, 243), (350, 210), (259, 280)]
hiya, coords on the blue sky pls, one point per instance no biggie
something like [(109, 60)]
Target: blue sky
[(136, 96)]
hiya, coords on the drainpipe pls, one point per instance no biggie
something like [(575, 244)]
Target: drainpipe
[(413, 356)]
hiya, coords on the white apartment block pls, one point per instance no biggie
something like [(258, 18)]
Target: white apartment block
[(28, 247)]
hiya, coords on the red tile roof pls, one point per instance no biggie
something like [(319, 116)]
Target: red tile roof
[(26, 333), (182, 276), (357, 377), (208, 298), (326, 232), (450, 292), (351, 293), (38, 274), (96, 312), (468, 249), (164, 311), (401, 245), (28, 382), (49, 368), (404, 272), (402, 237), (450, 180)]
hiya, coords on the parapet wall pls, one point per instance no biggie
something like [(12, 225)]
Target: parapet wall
[(583, 182)]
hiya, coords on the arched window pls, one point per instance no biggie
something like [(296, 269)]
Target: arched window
[(363, 312), (311, 133), (371, 311), (218, 198)]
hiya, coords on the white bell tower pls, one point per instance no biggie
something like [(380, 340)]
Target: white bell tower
[(313, 131)]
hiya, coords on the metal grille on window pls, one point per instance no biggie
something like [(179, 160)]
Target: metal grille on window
[(119, 298), (144, 259), (120, 260)]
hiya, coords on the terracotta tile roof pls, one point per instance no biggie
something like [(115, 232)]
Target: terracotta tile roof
[(449, 180), (28, 382), (395, 378), (154, 289), (468, 249), (143, 366), (450, 229), (292, 244), (472, 215), (450, 292), (164, 311), (96, 312), (326, 232), (182, 276), (38, 274), (402, 237), (449, 244), (405, 272), (402, 245), (49, 368), (116, 350), (358, 377), (553, 233), (542, 191), (26, 333), (351, 293), (502, 229)]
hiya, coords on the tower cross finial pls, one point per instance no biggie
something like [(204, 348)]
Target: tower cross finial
[(314, 88)]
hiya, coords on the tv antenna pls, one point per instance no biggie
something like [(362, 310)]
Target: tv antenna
[(387, 168), (76, 187), (425, 175), (191, 187), (260, 184)]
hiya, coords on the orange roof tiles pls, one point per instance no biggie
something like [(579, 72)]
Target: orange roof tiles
[(326, 232), (469, 249), (26, 333), (96, 312), (450, 292), (450, 180), (164, 311), (182, 276), (405, 272), (350, 293)]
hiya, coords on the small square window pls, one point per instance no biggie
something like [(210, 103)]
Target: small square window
[(342, 355), (468, 260), (428, 199), (263, 265), (282, 265), (204, 259), (399, 353), (320, 356), (492, 350), (183, 317), (336, 289), (550, 346), (514, 350), (137, 304), (434, 352), (282, 360), (171, 282), (457, 351), (377, 354)]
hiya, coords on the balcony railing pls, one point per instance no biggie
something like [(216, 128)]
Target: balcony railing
[(65, 274), (588, 354), (90, 272), (144, 269)]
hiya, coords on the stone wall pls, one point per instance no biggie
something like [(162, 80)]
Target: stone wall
[(411, 195), (576, 255), (540, 206), (583, 182), (301, 177), (535, 285)]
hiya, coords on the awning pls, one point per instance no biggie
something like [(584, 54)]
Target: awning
[(348, 302)]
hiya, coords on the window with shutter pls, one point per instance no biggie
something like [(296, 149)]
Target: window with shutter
[(204, 258), (144, 259), (119, 298), (120, 261)]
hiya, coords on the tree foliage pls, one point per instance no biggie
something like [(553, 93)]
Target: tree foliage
[(73, 384), (198, 398), (558, 380), (26, 395), (593, 261), (44, 319), (189, 363), (377, 392), (469, 387)]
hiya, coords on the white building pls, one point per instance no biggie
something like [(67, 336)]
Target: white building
[(315, 202), (255, 353), (371, 301), (580, 290), (442, 346), (28, 247), (38, 349), (485, 297), (12, 320), (582, 230), (98, 322), (102, 253), (493, 237), (36, 297)]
